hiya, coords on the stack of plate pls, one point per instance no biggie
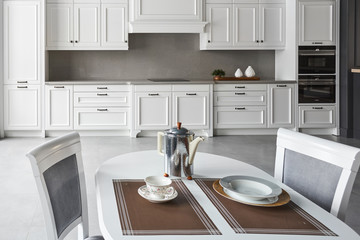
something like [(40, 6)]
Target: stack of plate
[(252, 190)]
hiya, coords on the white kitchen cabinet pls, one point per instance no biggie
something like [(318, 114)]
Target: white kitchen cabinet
[(244, 25), (281, 105), (240, 98), (220, 31), (317, 116), (22, 107), (152, 110), (22, 39), (192, 109), (240, 117), (114, 26), (59, 107), (73, 25), (317, 22)]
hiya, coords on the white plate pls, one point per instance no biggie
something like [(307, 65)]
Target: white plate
[(146, 194), (250, 188), (245, 200)]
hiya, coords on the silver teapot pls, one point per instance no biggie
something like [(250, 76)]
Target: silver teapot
[(179, 150)]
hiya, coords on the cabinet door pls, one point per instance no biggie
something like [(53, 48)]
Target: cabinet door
[(220, 29), (246, 25), (192, 109), (22, 42), (240, 117), (114, 28), (152, 110), (22, 107), (58, 107), (317, 22), (281, 102), (316, 116), (86, 25), (272, 25), (240, 98), (59, 25)]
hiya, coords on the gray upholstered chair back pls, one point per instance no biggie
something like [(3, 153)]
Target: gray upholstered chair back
[(321, 170), (58, 171)]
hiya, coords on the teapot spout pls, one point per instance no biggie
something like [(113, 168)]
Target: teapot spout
[(193, 146)]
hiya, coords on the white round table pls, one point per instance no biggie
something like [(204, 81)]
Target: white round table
[(138, 165)]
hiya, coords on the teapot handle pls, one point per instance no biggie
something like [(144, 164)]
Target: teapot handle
[(160, 137)]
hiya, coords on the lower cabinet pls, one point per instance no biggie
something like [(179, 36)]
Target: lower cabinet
[(111, 118), (281, 105), (59, 107), (152, 110), (240, 117), (317, 116), (22, 108)]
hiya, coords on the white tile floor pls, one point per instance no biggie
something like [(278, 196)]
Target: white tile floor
[(20, 210)]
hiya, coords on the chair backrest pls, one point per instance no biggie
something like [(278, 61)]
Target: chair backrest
[(59, 174), (321, 170)]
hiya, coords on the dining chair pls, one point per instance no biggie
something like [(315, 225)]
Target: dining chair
[(321, 170), (59, 175)]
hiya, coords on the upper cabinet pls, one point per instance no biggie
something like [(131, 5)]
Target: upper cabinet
[(22, 42), (317, 22), (245, 24), (87, 26), (166, 16)]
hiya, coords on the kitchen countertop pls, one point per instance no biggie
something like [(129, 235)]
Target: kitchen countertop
[(147, 82)]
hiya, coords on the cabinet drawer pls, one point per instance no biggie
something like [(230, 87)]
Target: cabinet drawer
[(191, 88), (101, 99), (101, 118), (239, 87), (239, 98), (316, 116), (152, 88), (97, 88), (240, 117)]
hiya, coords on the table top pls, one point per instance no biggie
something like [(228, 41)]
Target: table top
[(138, 165)]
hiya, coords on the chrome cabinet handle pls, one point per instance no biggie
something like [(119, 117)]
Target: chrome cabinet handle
[(101, 88), (190, 94), (102, 94), (318, 108), (153, 94), (317, 42), (239, 86), (59, 87), (240, 108), (281, 85), (240, 93), (102, 110), (22, 81), (22, 87)]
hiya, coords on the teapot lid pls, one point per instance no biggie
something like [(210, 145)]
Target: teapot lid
[(178, 130)]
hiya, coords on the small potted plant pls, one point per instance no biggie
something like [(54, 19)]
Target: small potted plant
[(218, 73)]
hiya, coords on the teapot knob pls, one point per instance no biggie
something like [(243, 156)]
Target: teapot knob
[(178, 125)]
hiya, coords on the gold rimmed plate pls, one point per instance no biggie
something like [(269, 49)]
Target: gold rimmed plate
[(283, 198)]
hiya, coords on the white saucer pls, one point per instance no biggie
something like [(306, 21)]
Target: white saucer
[(243, 199), (146, 194)]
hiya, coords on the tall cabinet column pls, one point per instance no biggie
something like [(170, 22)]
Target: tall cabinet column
[(23, 66)]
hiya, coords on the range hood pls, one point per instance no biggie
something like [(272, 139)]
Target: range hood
[(166, 16)]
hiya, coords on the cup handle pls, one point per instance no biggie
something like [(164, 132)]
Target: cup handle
[(169, 192)]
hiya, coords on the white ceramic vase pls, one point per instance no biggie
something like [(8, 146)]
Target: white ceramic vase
[(249, 72), (238, 73)]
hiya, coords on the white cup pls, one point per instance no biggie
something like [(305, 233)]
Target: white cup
[(159, 187)]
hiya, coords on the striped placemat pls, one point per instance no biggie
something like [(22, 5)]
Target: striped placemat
[(243, 219), (181, 216)]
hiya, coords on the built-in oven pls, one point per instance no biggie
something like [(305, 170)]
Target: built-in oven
[(316, 89), (317, 60)]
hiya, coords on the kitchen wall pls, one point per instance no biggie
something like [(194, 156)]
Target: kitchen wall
[(157, 55)]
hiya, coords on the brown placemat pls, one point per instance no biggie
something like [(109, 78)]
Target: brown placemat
[(286, 219), (181, 216)]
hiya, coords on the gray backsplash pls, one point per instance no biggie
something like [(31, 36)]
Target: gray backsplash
[(157, 55)]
